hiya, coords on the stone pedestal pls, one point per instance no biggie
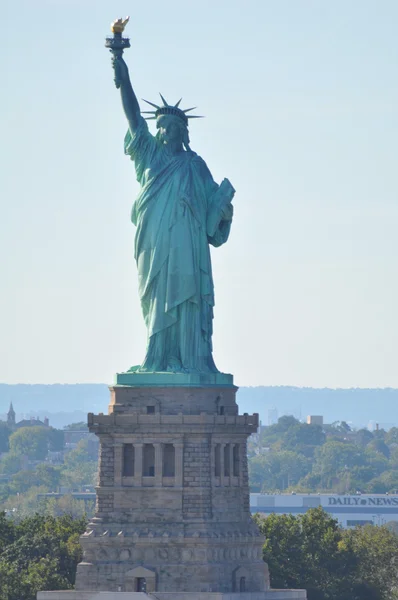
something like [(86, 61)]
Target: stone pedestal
[(172, 509), (172, 513), (269, 595)]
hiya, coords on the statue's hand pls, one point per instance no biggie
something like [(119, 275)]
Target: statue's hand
[(228, 212), (121, 70)]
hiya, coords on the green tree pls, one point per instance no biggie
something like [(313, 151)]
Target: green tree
[(274, 433), (31, 442), (277, 470), (376, 460), (284, 423), (43, 555), (303, 552), (334, 456), (392, 526), (39, 576), (22, 482), (48, 476), (363, 437), (57, 507), (312, 552), (7, 531), (4, 435), (282, 550), (387, 482), (45, 476), (379, 445), (394, 457), (10, 463), (79, 469), (304, 438), (376, 553), (392, 436), (80, 426), (56, 439)]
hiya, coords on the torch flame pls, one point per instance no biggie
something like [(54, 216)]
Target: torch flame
[(119, 25)]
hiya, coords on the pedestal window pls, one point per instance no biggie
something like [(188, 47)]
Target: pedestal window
[(168, 460), (227, 460), (217, 460), (148, 460), (236, 460), (128, 460)]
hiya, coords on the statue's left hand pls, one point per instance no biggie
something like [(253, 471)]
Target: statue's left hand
[(228, 212)]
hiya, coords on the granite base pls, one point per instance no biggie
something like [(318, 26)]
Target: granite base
[(269, 595)]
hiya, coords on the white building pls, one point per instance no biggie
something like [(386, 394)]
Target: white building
[(272, 416), (350, 510)]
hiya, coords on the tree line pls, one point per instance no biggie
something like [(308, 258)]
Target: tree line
[(38, 553), (294, 456), (309, 552), (26, 473), (312, 552)]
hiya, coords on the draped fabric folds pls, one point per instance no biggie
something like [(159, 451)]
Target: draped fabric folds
[(172, 253)]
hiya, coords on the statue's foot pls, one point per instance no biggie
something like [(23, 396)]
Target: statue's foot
[(149, 368), (174, 366)]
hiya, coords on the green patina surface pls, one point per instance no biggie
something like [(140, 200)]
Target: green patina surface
[(165, 379), (179, 213)]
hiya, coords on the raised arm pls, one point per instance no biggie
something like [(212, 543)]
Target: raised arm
[(129, 100)]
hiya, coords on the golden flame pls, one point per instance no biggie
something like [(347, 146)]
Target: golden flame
[(119, 25)]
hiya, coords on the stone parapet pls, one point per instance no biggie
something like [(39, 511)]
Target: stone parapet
[(187, 400), (203, 422)]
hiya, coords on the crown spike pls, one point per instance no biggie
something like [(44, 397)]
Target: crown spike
[(152, 104), (169, 109)]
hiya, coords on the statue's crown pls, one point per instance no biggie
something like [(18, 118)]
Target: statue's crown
[(169, 109)]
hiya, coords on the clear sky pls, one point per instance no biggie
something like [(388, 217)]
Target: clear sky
[(300, 99)]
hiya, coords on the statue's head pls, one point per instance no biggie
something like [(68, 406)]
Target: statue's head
[(171, 122), (172, 129)]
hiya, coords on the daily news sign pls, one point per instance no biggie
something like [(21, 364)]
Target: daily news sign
[(360, 501)]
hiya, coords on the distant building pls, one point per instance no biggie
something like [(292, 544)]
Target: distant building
[(73, 436), (32, 422), (272, 416), (349, 510), (315, 420), (11, 417)]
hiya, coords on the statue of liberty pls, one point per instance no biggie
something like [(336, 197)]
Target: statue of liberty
[(179, 211)]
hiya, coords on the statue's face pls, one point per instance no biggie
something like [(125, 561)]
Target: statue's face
[(170, 130)]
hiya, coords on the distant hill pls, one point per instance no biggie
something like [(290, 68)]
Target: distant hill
[(61, 403), (358, 406), (67, 403)]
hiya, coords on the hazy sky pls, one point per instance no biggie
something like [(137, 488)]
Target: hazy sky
[(300, 99)]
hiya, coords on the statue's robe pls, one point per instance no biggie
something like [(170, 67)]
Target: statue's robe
[(172, 253)]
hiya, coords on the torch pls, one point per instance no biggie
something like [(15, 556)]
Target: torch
[(117, 43)]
